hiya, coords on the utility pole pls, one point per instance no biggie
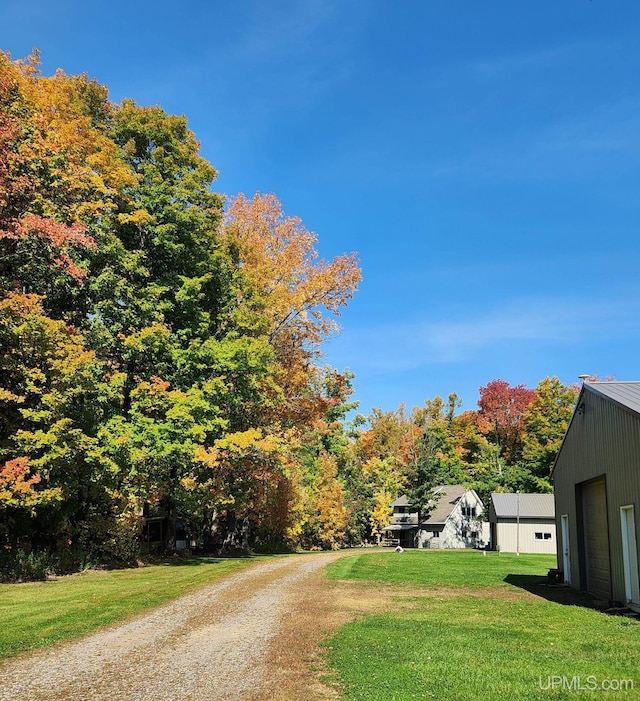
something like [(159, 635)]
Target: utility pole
[(517, 523)]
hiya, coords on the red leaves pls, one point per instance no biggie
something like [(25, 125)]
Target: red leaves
[(502, 412), (60, 238), (58, 235)]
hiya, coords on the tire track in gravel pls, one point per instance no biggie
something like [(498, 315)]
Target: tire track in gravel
[(210, 644)]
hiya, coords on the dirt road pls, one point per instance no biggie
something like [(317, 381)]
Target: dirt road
[(253, 636)]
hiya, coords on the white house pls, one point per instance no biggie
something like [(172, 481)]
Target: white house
[(455, 522), (522, 523)]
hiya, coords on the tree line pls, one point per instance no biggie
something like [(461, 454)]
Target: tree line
[(160, 355)]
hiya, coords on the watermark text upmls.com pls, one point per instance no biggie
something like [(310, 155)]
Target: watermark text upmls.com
[(589, 683)]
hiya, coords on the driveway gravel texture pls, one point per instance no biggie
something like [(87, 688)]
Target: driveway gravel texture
[(229, 640)]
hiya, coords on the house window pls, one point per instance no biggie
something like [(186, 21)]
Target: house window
[(543, 536), (474, 534), (464, 533), (547, 536), (469, 511), (435, 534)]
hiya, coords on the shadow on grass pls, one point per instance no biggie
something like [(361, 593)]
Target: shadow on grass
[(212, 559), (558, 593), (191, 561), (197, 560)]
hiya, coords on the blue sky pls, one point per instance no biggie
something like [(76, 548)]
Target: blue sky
[(483, 159)]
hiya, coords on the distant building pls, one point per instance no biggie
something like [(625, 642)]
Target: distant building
[(596, 479), (455, 522), (522, 523)]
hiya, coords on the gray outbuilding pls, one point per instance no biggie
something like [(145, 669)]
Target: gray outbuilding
[(522, 523), (596, 480)]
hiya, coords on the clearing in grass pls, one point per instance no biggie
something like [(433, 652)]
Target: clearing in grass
[(468, 626)]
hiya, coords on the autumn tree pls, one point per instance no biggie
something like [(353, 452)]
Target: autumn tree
[(154, 356), (431, 455), (54, 397), (501, 417), (293, 295), (59, 172), (546, 420), (329, 515)]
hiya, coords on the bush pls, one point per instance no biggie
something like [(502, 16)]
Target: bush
[(20, 566)]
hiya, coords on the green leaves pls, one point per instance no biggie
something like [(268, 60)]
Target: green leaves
[(152, 356)]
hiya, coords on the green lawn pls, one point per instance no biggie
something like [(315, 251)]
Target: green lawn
[(490, 644), (40, 613), (449, 568)]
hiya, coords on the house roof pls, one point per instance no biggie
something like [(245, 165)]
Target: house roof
[(450, 494), (401, 501), (626, 394), (523, 505)]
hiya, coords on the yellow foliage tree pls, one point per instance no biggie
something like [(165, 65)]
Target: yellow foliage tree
[(294, 293), (332, 514)]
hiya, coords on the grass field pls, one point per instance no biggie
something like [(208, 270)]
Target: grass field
[(479, 627), (450, 568), (37, 614)]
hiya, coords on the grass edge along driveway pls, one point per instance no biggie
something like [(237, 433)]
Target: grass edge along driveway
[(468, 626), (36, 614)]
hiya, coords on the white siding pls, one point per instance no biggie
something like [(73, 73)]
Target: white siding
[(507, 536), (451, 535)]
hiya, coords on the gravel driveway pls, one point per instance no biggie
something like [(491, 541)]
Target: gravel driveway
[(211, 644)]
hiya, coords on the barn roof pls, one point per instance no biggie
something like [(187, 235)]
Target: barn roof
[(524, 505), (626, 394)]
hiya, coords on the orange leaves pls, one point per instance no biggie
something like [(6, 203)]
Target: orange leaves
[(68, 120), (278, 256), (17, 486), (58, 169), (291, 290), (58, 235), (60, 238), (502, 412), (14, 475)]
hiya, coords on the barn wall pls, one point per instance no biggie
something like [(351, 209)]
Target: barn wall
[(603, 440), (507, 535)]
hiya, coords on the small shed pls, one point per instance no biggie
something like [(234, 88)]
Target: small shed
[(596, 480), (523, 523)]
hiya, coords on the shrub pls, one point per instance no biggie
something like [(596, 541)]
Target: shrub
[(20, 566)]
